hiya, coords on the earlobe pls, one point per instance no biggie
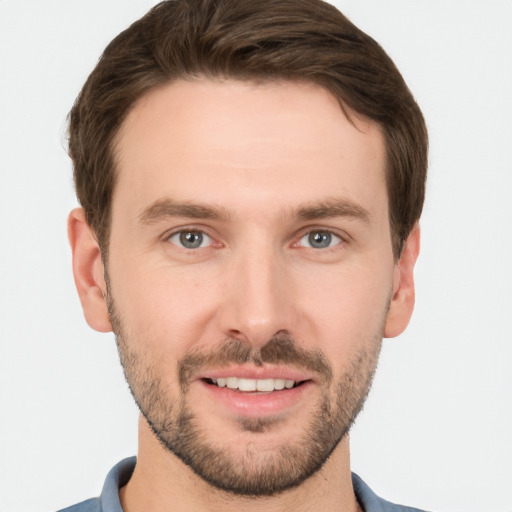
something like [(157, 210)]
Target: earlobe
[(402, 301), (88, 271)]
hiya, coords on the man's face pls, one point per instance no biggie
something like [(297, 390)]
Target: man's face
[(250, 247)]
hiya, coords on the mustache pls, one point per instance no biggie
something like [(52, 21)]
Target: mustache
[(280, 349)]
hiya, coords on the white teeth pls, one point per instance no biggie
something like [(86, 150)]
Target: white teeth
[(232, 383), (279, 384), (264, 385), (247, 384)]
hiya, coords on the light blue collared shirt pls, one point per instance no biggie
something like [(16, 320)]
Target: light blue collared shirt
[(121, 473)]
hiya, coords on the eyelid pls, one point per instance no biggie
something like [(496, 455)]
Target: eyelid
[(336, 239), (299, 235), (166, 237), (342, 235)]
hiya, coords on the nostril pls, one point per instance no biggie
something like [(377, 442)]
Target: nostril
[(235, 334)]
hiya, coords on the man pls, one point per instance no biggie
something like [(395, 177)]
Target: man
[(251, 176)]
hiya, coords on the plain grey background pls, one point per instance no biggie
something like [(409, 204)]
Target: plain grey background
[(436, 431)]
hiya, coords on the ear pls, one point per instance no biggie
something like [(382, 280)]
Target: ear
[(88, 271), (402, 302)]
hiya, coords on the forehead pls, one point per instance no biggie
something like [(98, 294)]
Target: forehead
[(245, 145)]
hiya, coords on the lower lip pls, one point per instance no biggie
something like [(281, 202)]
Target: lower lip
[(255, 404)]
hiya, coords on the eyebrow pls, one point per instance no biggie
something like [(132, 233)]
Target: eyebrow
[(166, 208), (330, 208)]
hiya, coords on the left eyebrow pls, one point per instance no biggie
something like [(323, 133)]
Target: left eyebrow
[(332, 208), (168, 208)]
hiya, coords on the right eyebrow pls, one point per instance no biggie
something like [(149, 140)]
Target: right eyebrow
[(167, 208), (333, 207)]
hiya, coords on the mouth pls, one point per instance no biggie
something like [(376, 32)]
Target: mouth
[(245, 385), (248, 391)]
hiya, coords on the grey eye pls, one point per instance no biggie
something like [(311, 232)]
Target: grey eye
[(190, 239), (320, 239)]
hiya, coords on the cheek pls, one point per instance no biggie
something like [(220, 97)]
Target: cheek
[(166, 311), (346, 307)]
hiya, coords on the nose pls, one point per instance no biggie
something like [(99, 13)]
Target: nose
[(257, 300)]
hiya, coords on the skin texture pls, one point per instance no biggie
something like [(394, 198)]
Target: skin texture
[(255, 169)]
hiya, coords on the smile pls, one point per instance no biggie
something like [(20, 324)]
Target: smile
[(249, 397), (248, 385)]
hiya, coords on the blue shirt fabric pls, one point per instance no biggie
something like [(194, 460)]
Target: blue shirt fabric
[(121, 473)]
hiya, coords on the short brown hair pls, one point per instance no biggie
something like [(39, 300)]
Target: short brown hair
[(301, 40)]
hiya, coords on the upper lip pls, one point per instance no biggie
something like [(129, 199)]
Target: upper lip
[(255, 372)]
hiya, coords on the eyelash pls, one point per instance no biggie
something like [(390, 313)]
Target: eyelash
[(310, 231), (323, 233), (185, 232)]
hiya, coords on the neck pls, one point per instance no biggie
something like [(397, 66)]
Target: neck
[(161, 482)]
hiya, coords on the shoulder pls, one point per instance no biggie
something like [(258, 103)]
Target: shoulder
[(373, 503), (90, 505), (108, 501)]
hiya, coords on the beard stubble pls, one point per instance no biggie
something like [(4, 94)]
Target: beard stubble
[(253, 473)]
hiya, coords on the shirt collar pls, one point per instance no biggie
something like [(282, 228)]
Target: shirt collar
[(122, 472)]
